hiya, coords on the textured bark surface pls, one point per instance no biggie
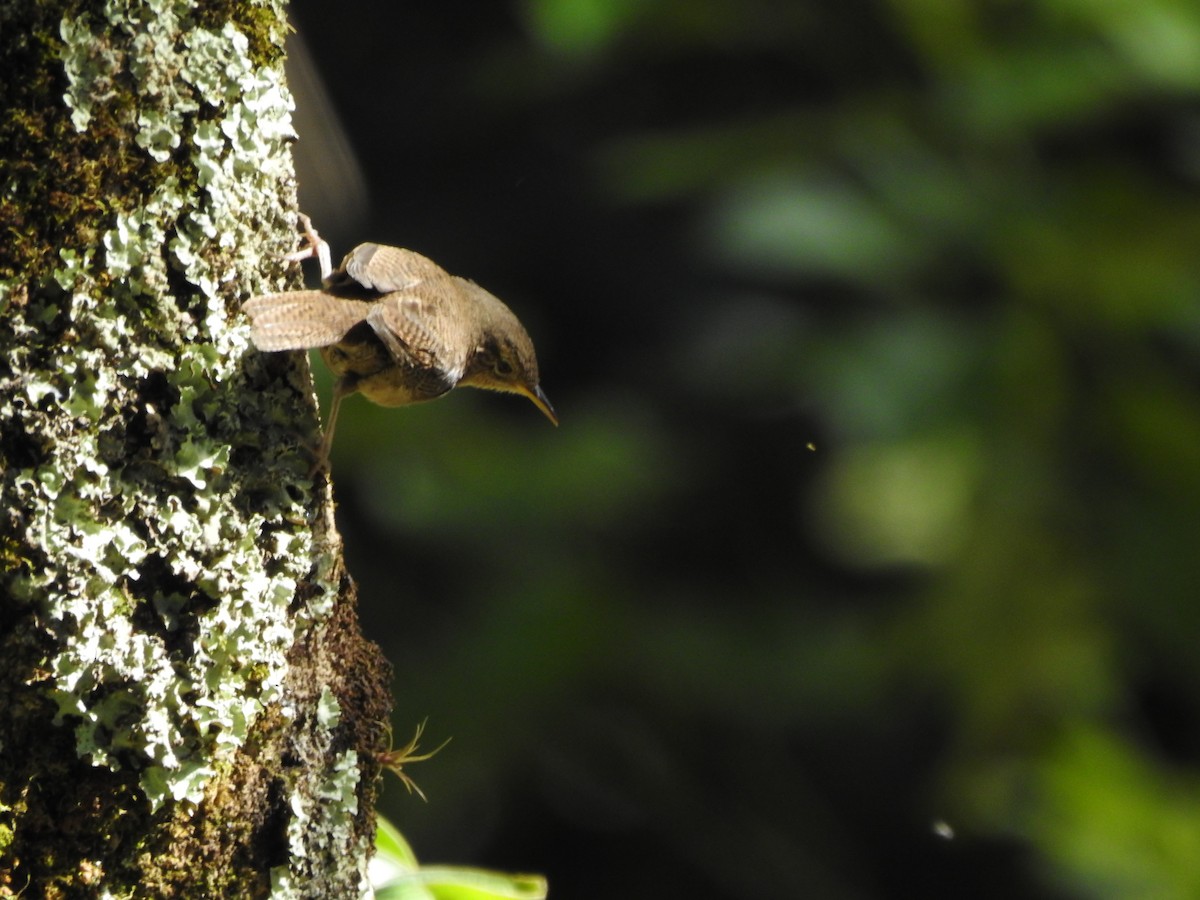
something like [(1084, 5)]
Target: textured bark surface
[(187, 706)]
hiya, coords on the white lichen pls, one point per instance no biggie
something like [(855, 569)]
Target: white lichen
[(322, 827)]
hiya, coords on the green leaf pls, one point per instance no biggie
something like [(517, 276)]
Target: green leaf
[(461, 883), (396, 875), (391, 847)]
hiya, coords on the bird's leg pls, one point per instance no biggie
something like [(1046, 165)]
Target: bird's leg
[(340, 389), (314, 245)]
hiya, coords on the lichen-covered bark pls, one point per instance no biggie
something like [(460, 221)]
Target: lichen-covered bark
[(186, 705)]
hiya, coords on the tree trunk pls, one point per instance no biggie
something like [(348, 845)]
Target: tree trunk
[(187, 707)]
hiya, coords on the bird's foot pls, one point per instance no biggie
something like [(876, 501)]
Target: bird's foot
[(320, 462), (314, 245), (321, 450)]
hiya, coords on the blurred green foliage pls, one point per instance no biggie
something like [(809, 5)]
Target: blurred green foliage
[(950, 245)]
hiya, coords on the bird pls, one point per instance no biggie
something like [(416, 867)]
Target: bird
[(397, 328)]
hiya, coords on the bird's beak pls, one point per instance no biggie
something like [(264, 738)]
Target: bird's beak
[(539, 400)]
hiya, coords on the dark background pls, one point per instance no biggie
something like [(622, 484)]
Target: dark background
[(865, 561)]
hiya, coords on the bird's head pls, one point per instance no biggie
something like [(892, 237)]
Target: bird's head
[(503, 358)]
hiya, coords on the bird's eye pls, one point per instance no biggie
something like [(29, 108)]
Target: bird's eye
[(502, 367)]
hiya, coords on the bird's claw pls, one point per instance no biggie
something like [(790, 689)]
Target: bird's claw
[(314, 245)]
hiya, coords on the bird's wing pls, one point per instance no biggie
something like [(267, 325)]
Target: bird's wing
[(402, 324), (406, 322), (384, 269), (296, 320)]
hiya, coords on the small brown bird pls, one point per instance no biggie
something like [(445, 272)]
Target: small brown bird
[(398, 329)]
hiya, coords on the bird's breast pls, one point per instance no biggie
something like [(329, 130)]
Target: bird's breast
[(397, 386), (364, 364)]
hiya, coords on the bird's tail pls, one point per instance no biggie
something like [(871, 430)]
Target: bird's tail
[(297, 320)]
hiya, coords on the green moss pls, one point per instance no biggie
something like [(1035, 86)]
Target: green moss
[(259, 21), (59, 186)]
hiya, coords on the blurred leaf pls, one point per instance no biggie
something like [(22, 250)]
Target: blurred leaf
[(436, 482), (815, 223), (675, 163), (457, 883), (580, 27), (390, 843), (396, 875), (900, 503), (1120, 823)]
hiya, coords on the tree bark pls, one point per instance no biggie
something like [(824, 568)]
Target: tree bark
[(187, 707)]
